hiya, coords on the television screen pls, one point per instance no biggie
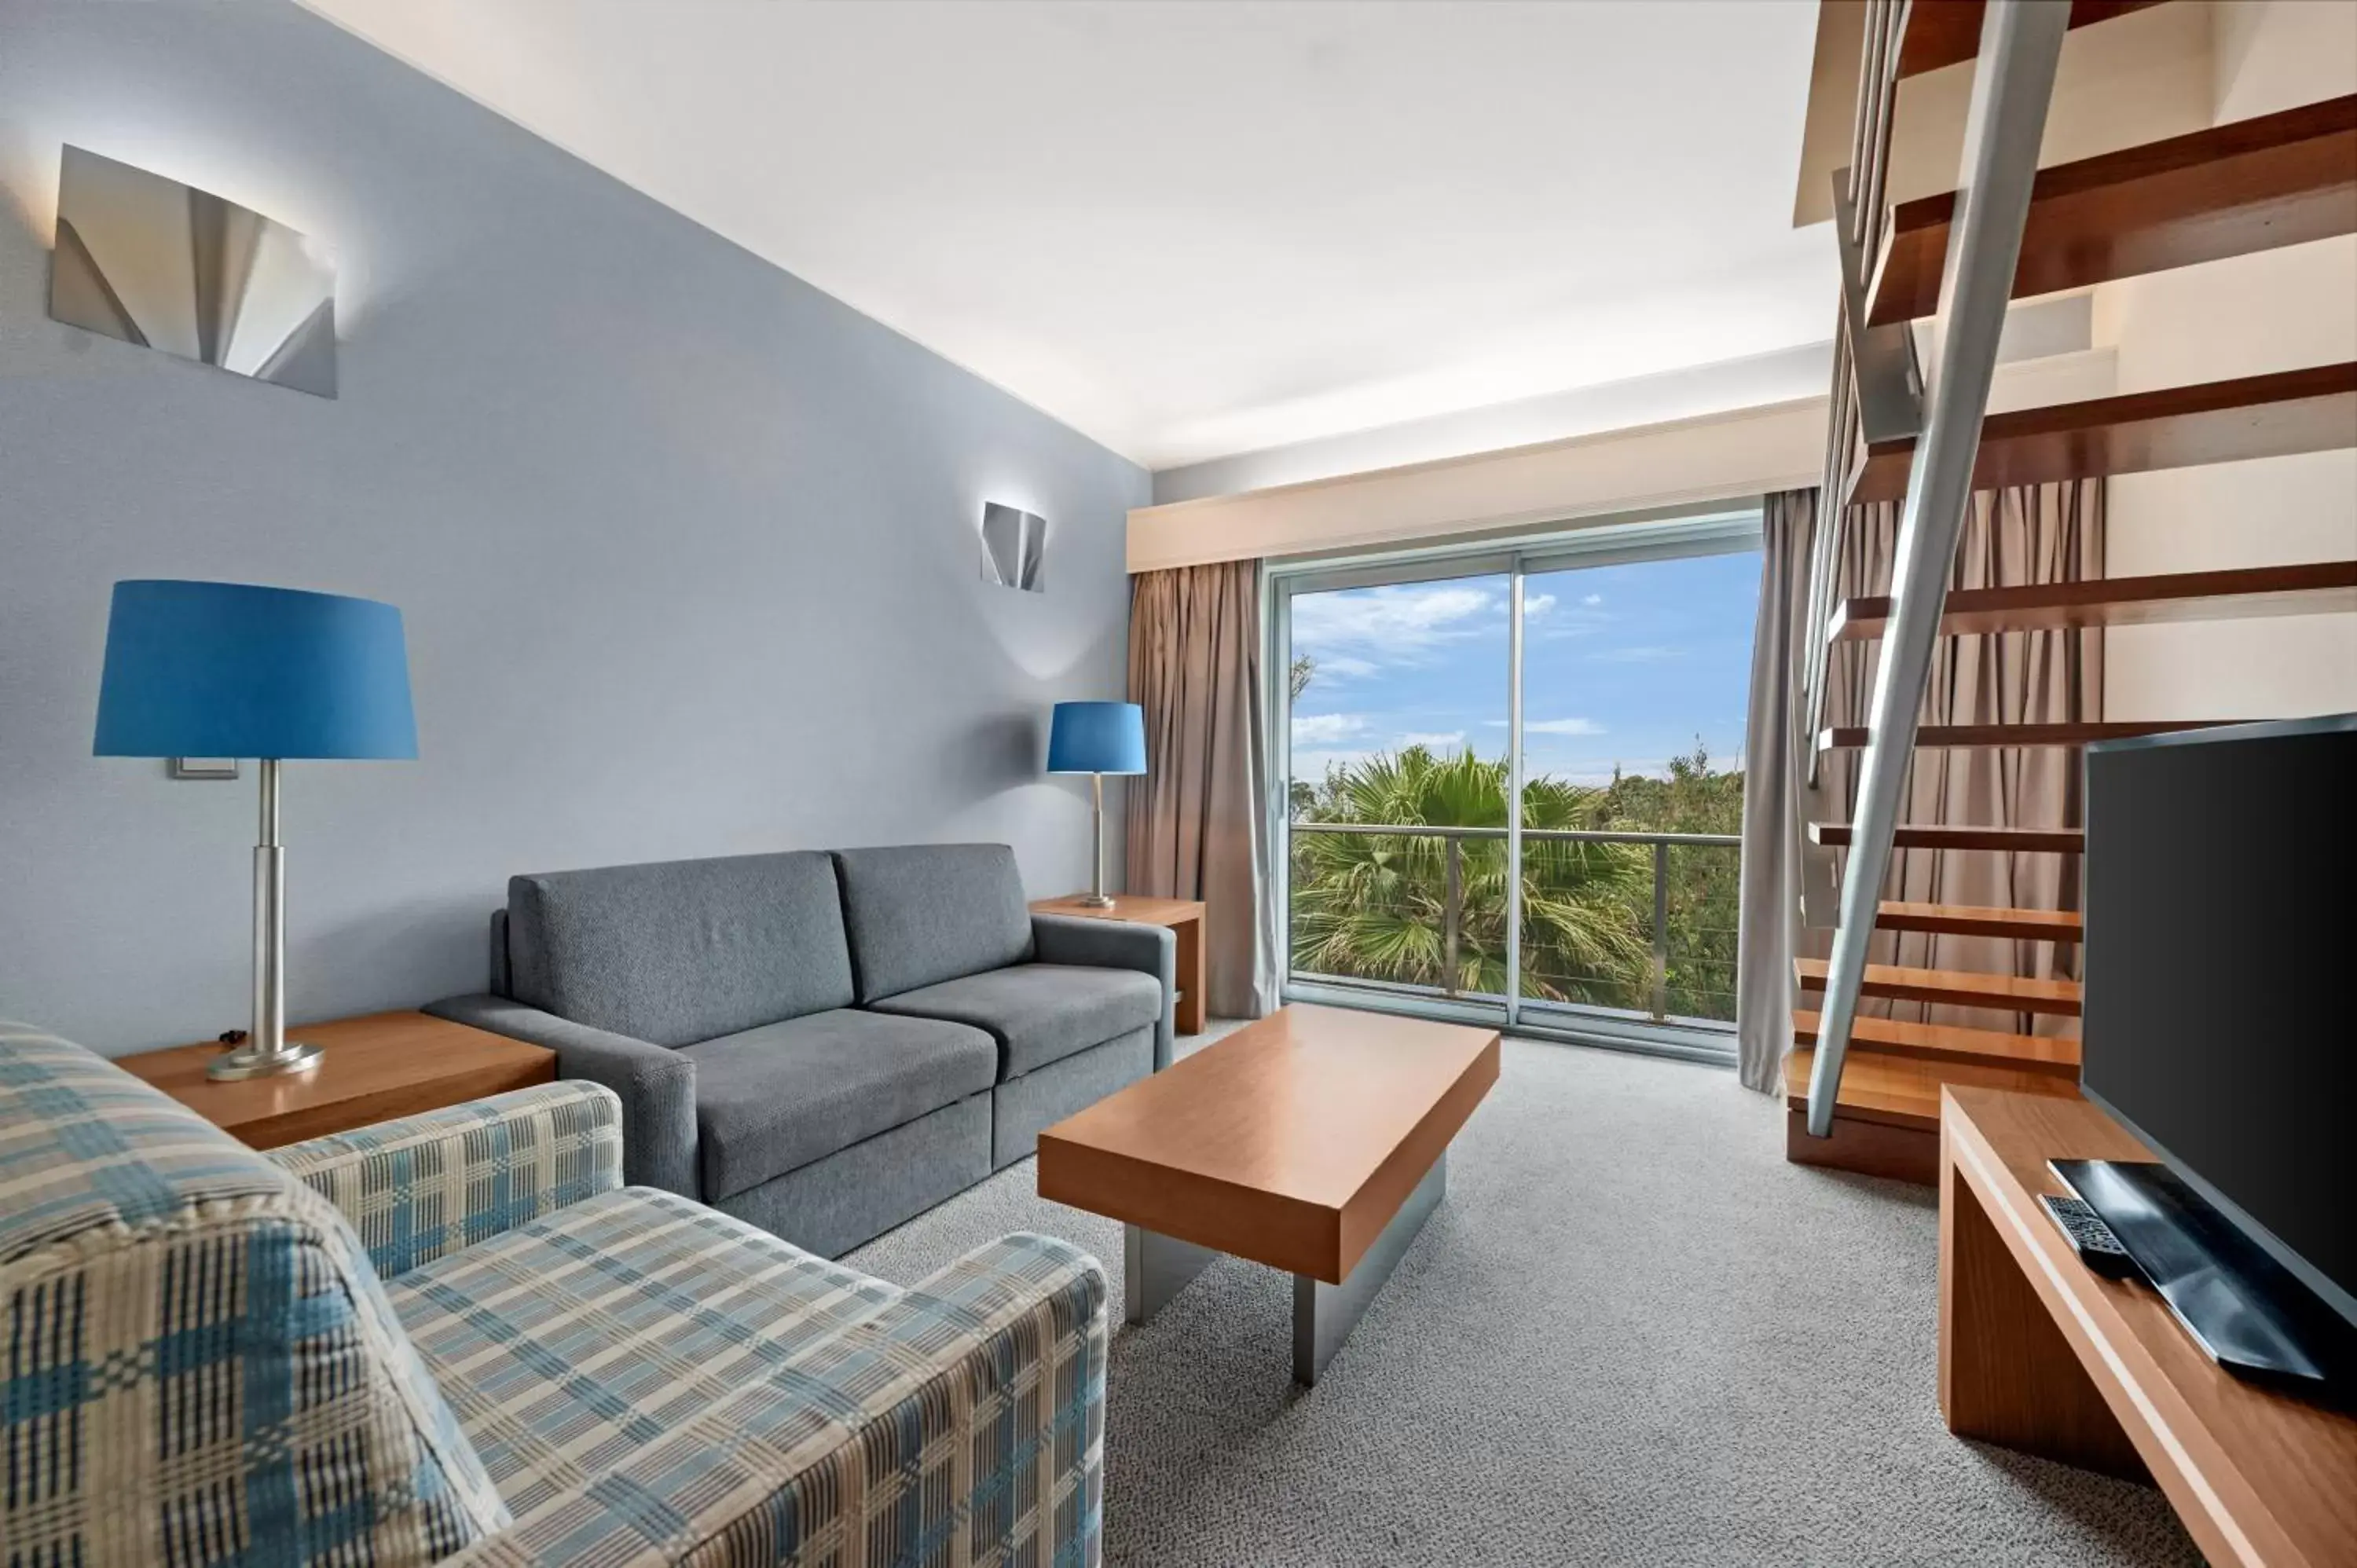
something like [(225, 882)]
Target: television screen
[(2221, 1003)]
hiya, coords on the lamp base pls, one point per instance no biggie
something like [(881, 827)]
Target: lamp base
[(247, 1062), (1095, 900)]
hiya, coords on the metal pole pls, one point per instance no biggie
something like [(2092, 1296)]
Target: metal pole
[(2022, 40), (265, 1050), (1661, 930), (1453, 857), (1097, 898)]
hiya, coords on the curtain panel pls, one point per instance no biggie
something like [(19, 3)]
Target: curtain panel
[(1197, 822)]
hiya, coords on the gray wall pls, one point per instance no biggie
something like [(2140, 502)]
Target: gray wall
[(686, 549)]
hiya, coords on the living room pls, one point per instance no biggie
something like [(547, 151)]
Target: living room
[(1096, 781)]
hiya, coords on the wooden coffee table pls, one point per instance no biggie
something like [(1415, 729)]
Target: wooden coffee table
[(1313, 1141)]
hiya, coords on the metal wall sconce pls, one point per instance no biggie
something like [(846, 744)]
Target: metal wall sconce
[(1012, 543), (158, 263)]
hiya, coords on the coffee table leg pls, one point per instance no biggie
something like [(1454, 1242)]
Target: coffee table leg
[(1154, 1268), (1324, 1314)]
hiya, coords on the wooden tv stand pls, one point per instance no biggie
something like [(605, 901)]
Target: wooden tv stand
[(2040, 1354)]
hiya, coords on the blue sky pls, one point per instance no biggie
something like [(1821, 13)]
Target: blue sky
[(1623, 665)]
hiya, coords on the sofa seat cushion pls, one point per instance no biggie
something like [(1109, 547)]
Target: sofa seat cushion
[(1039, 1012), (571, 1343), (772, 1100)]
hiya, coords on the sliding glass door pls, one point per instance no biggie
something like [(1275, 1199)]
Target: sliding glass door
[(1603, 678)]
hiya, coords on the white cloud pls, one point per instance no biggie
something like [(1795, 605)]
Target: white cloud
[(1562, 726), (1343, 667), (1646, 655), (1592, 600), (1396, 624), (1536, 604), (1326, 729), (1451, 741)]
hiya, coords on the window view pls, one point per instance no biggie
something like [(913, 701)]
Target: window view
[(1635, 677)]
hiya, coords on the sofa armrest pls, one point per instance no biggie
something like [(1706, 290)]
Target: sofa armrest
[(656, 1084), (418, 1187), (971, 1407), (1117, 944)]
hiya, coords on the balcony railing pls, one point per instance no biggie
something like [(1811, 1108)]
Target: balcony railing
[(1625, 934)]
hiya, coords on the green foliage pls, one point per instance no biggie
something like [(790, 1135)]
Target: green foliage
[(1374, 906)]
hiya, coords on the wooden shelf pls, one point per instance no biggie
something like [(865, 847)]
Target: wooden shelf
[(1949, 1043), (1899, 1092), (1954, 988), (1970, 921), (2009, 841), (2275, 416), (2321, 587), (2253, 185), (1929, 737), (1945, 32)]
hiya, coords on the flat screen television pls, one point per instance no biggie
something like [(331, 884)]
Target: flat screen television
[(2220, 1020)]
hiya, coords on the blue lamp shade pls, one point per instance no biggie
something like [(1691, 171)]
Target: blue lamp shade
[(1097, 737), (230, 670)]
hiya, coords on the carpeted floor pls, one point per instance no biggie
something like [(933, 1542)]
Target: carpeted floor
[(1632, 1334)]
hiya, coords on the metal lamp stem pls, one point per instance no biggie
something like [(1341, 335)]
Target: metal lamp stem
[(265, 1050), (1098, 897)]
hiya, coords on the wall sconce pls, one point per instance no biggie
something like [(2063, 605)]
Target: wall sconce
[(158, 263), (1013, 542)]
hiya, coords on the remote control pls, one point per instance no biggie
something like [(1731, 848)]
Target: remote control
[(2089, 1236)]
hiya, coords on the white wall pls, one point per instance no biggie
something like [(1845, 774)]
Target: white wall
[(2275, 311)]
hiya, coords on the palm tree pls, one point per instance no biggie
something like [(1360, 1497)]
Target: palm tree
[(1373, 906)]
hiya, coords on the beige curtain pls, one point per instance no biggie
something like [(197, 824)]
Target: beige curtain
[(1770, 880), (1197, 822), (2028, 535)]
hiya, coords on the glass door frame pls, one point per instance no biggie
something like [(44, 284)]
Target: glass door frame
[(1722, 528)]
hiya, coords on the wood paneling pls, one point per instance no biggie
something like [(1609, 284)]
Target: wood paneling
[(2175, 427), (1977, 920), (372, 1068), (2259, 1476), (1851, 738), (1292, 1141), (1945, 32), (1956, 988), (2251, 184), (2319, 587), (1953, 1043), (1869, 1148), (1184, 919), (2009, 841)]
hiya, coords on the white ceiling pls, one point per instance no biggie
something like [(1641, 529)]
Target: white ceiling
[(1193, 227)]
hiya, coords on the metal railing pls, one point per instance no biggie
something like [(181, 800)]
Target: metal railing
[(1653, 995)]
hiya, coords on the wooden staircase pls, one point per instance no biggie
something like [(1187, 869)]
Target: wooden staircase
[(2280, 179)]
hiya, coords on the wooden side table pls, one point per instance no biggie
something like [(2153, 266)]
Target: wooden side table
[(1182, 917), (374, 1069)]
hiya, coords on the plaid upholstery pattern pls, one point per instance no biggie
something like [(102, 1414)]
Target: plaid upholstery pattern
[(198, 1364), (424, 1186), (654, 1382)]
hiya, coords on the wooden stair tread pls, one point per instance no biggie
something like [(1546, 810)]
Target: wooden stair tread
[(1948, 1042), (1928, 737), (1899, 1093), (1976, 921), (2251, 184), (1953, 987), (2012, 841), (1945, 32), (2318, 587), (2272, 415)]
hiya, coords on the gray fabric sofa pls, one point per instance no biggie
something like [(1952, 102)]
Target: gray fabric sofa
[(820, 1044)]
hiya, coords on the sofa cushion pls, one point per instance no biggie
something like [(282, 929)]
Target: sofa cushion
[(1039, 1012), (772, 1100), (922, 913), (684, 949), (570, 1344)]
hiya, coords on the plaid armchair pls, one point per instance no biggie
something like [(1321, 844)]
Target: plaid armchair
[(458, 1338)]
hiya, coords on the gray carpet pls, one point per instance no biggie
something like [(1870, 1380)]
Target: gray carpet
[(1633, 1333)]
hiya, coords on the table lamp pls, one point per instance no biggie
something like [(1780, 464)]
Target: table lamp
[(1097, 738), (230, 670)]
